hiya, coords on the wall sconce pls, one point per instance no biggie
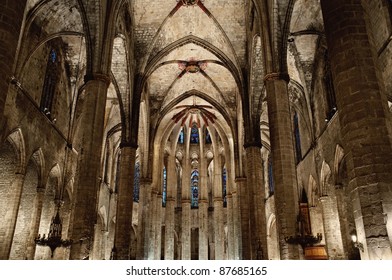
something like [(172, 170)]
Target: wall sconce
[(357, 244)]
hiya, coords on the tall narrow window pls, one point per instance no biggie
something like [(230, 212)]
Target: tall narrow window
[(271, 185), (224, 186), (50, 83), (208, 137), (297, 139), (330, 91), (194, 134), (181, 136), (195, 189), (164, 187), (136, 182)]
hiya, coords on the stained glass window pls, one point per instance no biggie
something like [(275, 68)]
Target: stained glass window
[(224, 186), (181, 136), (270, 176), (194, 134), (208, 137), (297, 138), (136, 182), (50, 83), (195, 189), (164, 187)]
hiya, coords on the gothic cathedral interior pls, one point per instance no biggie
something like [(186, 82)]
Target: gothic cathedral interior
[(195, 129)]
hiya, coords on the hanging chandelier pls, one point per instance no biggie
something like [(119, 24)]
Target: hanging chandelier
[(53, 240)]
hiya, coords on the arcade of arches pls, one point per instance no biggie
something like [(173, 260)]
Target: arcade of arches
[(195, 129)]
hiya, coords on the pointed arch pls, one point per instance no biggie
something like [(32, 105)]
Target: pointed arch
[(16, 139), (39, 160), (325, 175), (339, 155), (312, 191)]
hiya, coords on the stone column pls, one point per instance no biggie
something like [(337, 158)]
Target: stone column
[(236, 226), (12, 214), (11, 18), (332, 231), (203, 204), (91, 133), (255, 186), (186, 211), (362, 109), (283, 156), (151, 242), (245, 249), (158, 225), (218, 210), (122, 239), (144, 220), (36, 219), (170, 207), (230, 226)]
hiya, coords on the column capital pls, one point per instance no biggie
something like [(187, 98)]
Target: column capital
[(277, 76), (97, 77)]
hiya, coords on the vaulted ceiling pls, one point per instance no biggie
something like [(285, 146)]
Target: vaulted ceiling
[(189, 51)]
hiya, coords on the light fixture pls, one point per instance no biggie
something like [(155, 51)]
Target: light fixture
[(54, 240), (304, 240), (357, 244)]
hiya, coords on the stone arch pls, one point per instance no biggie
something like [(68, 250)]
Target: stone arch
[(39, 160), (325, 176), (338, 162), (133, 249), (25, 214), (272, 238), (51, 194), (12, 166), (313, 193), (16, 139)]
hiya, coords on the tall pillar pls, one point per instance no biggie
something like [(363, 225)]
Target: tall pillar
[(91, 133), (203, 205), (12, 214), (151, 242), (186, 212), (362, 109), (236, 226), (255, 186), (170, 208), (36, 219), (332, 231), (230, 227), (283, 156), (157, 219), (218, 210), (245, 249), (122, 239), (11, 18), (144, 220)]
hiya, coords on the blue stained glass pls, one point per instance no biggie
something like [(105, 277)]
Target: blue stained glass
[(181, 136), (195, 189), (136, 182), (53, 56), (164, 188), (224, 187), (208, 137), (194, 134)]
